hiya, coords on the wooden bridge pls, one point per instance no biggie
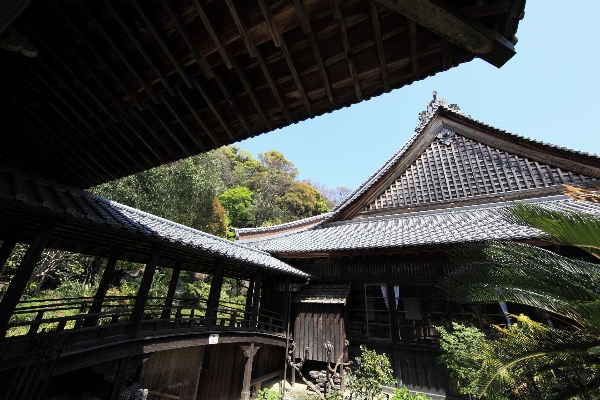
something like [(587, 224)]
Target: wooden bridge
[(41, 344)]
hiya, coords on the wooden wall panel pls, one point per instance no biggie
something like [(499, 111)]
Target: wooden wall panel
[(315, 325), (173, 372)]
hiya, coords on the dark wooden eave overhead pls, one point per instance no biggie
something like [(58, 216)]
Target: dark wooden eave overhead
[(122, 86)]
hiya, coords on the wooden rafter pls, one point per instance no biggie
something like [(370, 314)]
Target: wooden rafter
[(314, 46), (288, 58), (138, 45), (213, 35), (486, 9), (447, 55), (118, 51), (184, 124), (255, 53), (104, 65), (468, 34), (412, 43), (379, 44), (161, 40), (195, 114), (339, 18), (251, 93)]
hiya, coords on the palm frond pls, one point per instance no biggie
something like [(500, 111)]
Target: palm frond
[(570, 228)]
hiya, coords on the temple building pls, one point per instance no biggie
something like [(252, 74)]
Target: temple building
[(376, 258)]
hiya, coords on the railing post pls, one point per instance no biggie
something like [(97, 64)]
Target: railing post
[(213, 296), (256, 300), (19, 281), (107, 276), (166, 312), (144, 290)]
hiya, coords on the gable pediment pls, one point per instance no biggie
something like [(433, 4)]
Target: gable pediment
[(459, 169)]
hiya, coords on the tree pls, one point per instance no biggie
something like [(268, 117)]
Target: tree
[(302, 200), (373, 370), (237, 202), (543, 361)]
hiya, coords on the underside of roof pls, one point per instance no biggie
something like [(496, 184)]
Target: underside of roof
[(91, 91)]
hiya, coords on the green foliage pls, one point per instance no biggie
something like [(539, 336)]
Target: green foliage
[(302, 200), (463, 348), (373, 370), (531, 360), (237, 202), (268, 394), (335, 395), (404, 394)]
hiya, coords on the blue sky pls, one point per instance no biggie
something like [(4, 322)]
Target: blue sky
[(548, 91)]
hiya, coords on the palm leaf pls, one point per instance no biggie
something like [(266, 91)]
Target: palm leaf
[(570, 228)]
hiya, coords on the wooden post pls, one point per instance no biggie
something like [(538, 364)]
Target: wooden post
[(256, 299), (8, 245), (391, 297), (248, 308), (19, 281), (107, 276), (286, 302), (115, 389), (166, 312), (249, 351), (213, 296), (144, 290)]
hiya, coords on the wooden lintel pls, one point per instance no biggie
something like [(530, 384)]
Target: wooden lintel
[(483, 10), (470, 35), (412, 43), (288, 58), (379, 44)]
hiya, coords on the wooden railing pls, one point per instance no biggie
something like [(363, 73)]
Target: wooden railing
[(81, 329)]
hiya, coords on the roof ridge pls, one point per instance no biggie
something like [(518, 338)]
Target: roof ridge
[(284, 225)]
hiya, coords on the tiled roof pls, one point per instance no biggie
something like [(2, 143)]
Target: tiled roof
[(323, 293), (454, 167), (448, 226), (19, 187), (287, 225)]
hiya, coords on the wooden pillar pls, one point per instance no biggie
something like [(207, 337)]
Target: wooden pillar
[(248, 308), (107, 276), (8, 245), (115, 389), (213, 296), (19, 281), (144, 290), (249, 351), (256, 299), (393, 313), (286, 303), (166, 312)]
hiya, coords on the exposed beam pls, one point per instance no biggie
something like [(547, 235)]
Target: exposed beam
[(412, 43), (447, 55), (138, 45), (234, 11), (288, 58), (104, 65), (151, 128), (201, 146), (217, 111), (213, 35), (314, 46), (264, 7), (10, 10), (479, 40), (338, 17), (483, 10), (185, 34), (255, 53), (161, 40), (251, 93), (116, 49), (379, 44), (196, 116)]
